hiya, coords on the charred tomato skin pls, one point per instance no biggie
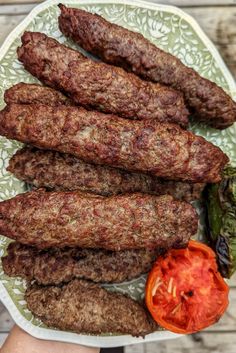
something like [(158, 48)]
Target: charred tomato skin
[(185, 293)]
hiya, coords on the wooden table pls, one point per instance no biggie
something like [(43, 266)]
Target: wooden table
[(218, 20)]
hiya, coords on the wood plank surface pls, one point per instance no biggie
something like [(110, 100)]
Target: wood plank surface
[(218, 23), (6, 321), (198, 343), (7, 2), (15, 9), (180, 3), (218, 20), (7, 24), (227, 323)]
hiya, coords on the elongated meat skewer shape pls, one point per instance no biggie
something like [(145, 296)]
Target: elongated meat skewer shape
[(26, 93), (84, 307), (60, 219), (57, 171), (122, 47), (56, 266), (164, 150), (63, 172), (97, 85)]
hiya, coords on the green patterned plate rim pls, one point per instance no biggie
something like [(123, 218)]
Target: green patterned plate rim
[(167, 27)]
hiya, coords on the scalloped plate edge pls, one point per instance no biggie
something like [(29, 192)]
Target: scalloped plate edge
[(99, 341), (86, 340), (152, 6)]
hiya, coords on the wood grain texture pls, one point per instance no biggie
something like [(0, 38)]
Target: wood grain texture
[(7, 24), (16, 9), (180, 3), (6, 2), (197, 343), (219, 22), (227, 323), (6, 321)]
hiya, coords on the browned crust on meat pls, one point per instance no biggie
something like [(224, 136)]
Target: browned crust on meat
[(25, 93), (56, 266), (84, 307), (60, 219), (63, 172), (164, 150), (97, 85), (119, 46)]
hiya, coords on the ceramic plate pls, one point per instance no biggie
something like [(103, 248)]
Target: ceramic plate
[(167, 27)]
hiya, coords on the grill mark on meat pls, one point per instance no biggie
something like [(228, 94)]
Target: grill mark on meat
[(97, 85), (56, 266), (164, 150), (84, 307), (75, 219), (62, 172), (26, 93)]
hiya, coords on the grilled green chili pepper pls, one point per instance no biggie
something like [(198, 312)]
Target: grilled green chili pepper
[(221, 220)]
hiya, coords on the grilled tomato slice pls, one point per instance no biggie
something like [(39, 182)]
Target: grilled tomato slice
[(185, 292)]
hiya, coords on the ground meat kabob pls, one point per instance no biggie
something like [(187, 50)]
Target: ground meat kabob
[(79, 287), (57, 171), (163, 150), (119, 46), (74, 219), (56, 266), (99, 86)]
